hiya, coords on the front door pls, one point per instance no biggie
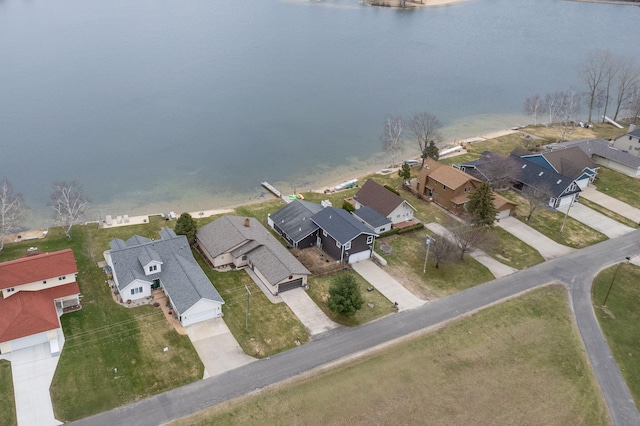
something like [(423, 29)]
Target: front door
[(156, 284)]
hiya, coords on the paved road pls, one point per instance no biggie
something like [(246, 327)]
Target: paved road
[(576, 270)]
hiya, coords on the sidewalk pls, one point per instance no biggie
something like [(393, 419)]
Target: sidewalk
[(387, 285), (623, 209), (498, 269)]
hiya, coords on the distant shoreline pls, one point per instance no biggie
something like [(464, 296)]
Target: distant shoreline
[(618, 2), (410, 3)]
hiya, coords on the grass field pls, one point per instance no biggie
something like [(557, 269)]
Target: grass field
[(7, 402), (549, 222), (406, 262), (273, 328), (519, 362), (620, 318), (623, 187), (319, 292), (512, 251)]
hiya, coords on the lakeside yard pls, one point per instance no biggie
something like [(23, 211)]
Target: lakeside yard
[(514, 363)]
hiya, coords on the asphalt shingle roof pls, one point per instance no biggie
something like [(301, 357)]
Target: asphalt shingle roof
[(601, 148), (541, 178), (378, 198), (569, 162), (295, 219), (371, 216), (181, 276), (340, 224), (229, 233)]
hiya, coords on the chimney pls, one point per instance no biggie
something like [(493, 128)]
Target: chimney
[(632, 127), (247, 223)]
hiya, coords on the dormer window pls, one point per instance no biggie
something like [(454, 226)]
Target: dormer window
[(153, 268)]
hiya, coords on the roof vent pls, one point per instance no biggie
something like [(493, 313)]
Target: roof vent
[(540, 174), (558, 182), (247, 222), (524, 165)]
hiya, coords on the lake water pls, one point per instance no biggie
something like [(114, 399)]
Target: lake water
[(187, 105)]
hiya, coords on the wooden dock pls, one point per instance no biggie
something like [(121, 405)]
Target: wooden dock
[(275, 191)]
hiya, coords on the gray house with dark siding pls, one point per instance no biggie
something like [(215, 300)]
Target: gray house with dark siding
[(293, 223), (342, 236)]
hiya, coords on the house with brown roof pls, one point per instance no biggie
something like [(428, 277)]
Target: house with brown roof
[(446, 186), (36, 291), (450, 188), (388, 204)]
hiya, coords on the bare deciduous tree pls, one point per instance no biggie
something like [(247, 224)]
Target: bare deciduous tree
[(69, 203), (552, 105), (498, 170), (468, 237), (634, 103), (568, 113), (593, 72), (12, 209), (628, 77), (425, 128), (391, 138), (534, 106), (443, 250), (537, 198)]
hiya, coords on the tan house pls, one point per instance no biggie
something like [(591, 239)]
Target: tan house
[(445, 185)]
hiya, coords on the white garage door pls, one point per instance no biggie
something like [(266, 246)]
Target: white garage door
[(503, 214), (357, 257), (198, 316), (565, 201), (27, 342)]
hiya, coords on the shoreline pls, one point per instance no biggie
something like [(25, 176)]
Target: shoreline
[(410, 4)]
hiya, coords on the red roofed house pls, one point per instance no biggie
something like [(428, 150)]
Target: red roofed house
[(36, 290)]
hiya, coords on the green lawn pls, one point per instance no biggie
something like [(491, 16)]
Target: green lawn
[(406, 262), (319, 292), (519, 362), (7, 402), (620, 318), (104, 336), (512, 251), (623, 187), (273, 328), (549, 222)]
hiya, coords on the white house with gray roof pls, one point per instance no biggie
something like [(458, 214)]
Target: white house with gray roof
[(242, 242), (140, 265)]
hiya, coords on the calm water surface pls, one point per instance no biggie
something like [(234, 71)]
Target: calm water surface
[(185, 105)]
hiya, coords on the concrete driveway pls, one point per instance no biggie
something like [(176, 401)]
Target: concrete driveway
[(387, 285), (613, 204), (596, 220), (307, 311), (218, 349), (32, 369), (548, 248), (498, 269)]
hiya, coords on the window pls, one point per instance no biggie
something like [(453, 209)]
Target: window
[(136, 290), (9, 290), (347, 246), (153, 268), (244, 257), (44, 282), (370, 239), (444, 186), (338, 244), (61, 278), (324, 233)]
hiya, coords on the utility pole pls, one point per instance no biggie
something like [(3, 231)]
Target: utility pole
[(424, 268), (565, 215), (612, 280), (246, 321)]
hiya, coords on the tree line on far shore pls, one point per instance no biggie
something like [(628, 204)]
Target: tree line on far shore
[(612, 87)]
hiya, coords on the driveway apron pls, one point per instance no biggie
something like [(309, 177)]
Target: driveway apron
[(547, 248), (218, 349), (387, 285), (596, 220), (498, 269), (32, 369), (623, 209), (307, 311)]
